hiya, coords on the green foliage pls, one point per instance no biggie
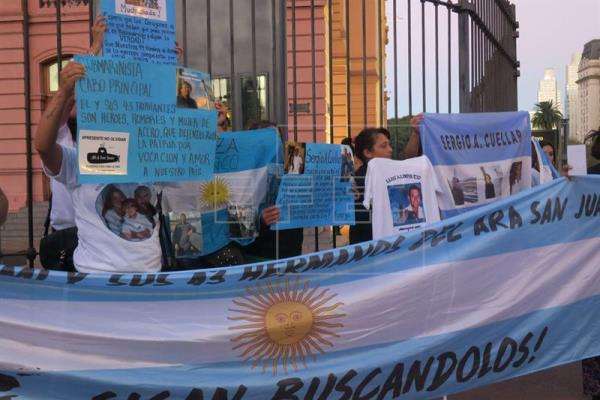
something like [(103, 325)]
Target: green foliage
[(547, 116), (400, 132)]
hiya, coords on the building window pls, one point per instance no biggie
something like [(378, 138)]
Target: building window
[(51, 75), (221, 90), (254, 99), (222, 93)]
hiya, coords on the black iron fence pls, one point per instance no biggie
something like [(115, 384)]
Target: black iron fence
[(370, 62)]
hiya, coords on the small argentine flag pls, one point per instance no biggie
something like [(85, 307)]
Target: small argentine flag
[(229, 204)]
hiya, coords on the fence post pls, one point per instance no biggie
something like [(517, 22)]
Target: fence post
[(463, 57)]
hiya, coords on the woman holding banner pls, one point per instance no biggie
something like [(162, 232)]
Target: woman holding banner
[(369, 144)]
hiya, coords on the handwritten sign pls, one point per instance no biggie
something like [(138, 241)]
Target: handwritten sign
[(142, 30), (131, 129), (317, 187)]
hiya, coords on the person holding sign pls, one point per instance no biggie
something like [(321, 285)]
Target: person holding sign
[(271, 244), (369, 144), (103, 246)]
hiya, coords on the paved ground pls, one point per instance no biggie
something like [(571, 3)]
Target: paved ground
[(562, 383)]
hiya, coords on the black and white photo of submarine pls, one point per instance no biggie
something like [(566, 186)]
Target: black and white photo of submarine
[(102, 157)]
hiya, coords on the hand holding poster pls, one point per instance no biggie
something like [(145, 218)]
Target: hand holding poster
[(131, 130), (142, 30), (317, 187), (478, 158)]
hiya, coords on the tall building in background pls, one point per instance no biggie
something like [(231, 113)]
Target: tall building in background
[(572, 96), (588, 86), (548, 89)]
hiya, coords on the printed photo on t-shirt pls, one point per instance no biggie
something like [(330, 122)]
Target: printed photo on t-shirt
[(186, 233), (242, 220), (406, 203), (194, 90), (127, 210), (295, 158)]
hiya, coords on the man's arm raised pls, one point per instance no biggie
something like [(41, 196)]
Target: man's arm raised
[(60, 106)]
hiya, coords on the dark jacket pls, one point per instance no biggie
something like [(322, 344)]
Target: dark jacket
[(265, 245), (362, 230)]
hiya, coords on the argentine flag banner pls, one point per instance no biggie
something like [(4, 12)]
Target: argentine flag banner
[(478, 158), (205, 216), (505, 290)]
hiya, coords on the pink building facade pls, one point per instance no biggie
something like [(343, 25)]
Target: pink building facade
[(43, 80)]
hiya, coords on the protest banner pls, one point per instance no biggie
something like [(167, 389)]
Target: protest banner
[(141, 30), (478, 158), (316, 189), (206, 216), (505, 290), (132, 130)]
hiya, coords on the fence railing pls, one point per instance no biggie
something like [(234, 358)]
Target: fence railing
[(327, 68)]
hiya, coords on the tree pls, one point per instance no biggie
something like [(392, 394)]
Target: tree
[(400, 132), (547, 116)]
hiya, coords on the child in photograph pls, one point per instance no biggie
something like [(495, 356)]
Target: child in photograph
[(136, 226)]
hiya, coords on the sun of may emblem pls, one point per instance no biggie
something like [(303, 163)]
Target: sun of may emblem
[(214, 194), (285, 324)]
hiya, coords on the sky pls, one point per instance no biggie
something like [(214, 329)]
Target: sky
[(550, 32)]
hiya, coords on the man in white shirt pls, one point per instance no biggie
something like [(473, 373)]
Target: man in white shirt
[(99, 249), (62, 213)]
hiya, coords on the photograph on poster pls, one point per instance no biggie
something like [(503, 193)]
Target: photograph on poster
[(295, 158)]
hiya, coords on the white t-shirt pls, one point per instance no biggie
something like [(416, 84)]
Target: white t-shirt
[(404, 195), (62, 214), (99, 248)]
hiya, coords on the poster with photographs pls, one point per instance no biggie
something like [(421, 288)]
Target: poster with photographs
[(474, 185), (194, 90), (243, 221), (478, 158), (186, 233), (406, 204), (294, 158), (127, 210), (317, 187)]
